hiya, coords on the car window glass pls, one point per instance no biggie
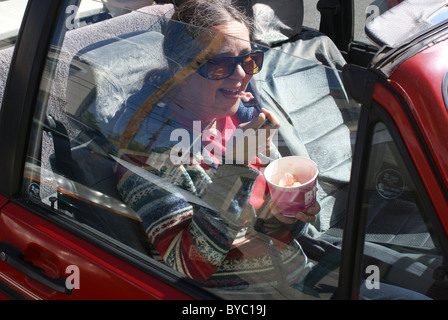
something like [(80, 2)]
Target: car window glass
[(11, 15), (115, 154), (402, 256)]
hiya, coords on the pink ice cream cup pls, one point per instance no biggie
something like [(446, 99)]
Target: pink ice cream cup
[(292, 199)]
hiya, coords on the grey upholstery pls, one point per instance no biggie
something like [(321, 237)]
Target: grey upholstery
[(275, 20), (308, 94), (5, 61), (77, 39), (94, 35), (102, 71)]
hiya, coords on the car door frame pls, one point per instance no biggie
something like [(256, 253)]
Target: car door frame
[(16, 117), (24, 77), (381, 102)]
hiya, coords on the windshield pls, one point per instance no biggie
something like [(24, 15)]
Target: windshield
[(172, 128)]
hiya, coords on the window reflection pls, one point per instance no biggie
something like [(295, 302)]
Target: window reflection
[(135, 148), (400, 241)]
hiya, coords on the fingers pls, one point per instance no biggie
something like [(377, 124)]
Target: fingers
[(255, 123), (259, 121), (265, 119), (285, 219), (257, 127), (308, 216), (273, 121)]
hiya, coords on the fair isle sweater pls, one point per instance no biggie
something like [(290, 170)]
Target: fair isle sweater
[(224, 245)]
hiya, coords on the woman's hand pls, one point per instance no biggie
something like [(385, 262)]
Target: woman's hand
[(308, 216), (252, 138)]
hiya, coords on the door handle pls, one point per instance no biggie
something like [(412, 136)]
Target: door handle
[(14, 258)]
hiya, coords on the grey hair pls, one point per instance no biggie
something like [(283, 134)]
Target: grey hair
[(192, 19), (210, 13)]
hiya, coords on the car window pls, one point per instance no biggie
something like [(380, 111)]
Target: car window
[(11, 14), (402, 250), (115, 154)]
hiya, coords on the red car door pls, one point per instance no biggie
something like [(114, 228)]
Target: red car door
[(42, 261), (65, 232), (39, 257)]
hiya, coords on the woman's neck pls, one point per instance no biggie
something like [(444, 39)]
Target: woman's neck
[(186, 119)]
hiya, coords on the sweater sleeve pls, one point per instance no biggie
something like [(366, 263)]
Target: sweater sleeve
[(191, 238)]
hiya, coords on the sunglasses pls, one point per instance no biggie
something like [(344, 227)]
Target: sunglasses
[(223, 67)]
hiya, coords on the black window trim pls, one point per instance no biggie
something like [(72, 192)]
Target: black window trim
[(21, 90)]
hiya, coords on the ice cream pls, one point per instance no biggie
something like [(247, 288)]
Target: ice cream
[(292, 184), (289, 180)]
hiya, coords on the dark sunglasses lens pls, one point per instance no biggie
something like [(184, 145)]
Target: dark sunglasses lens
[(220, 68), (253, 62)]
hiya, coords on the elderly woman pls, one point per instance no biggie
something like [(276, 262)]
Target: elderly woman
[(218, 227)]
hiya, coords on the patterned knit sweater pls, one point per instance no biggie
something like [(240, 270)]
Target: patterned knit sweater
[(224, 240)]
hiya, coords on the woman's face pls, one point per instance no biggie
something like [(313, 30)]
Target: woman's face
[(204, 99)]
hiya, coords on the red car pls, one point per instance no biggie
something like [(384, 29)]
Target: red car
[(372, 116)]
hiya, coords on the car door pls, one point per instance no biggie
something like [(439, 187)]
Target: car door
[(65, 232), (44, 258)]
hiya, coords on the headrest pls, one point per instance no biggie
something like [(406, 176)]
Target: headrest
[(5, 61), (117, 7), (112, 70), (275, 20), (406, 20)]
